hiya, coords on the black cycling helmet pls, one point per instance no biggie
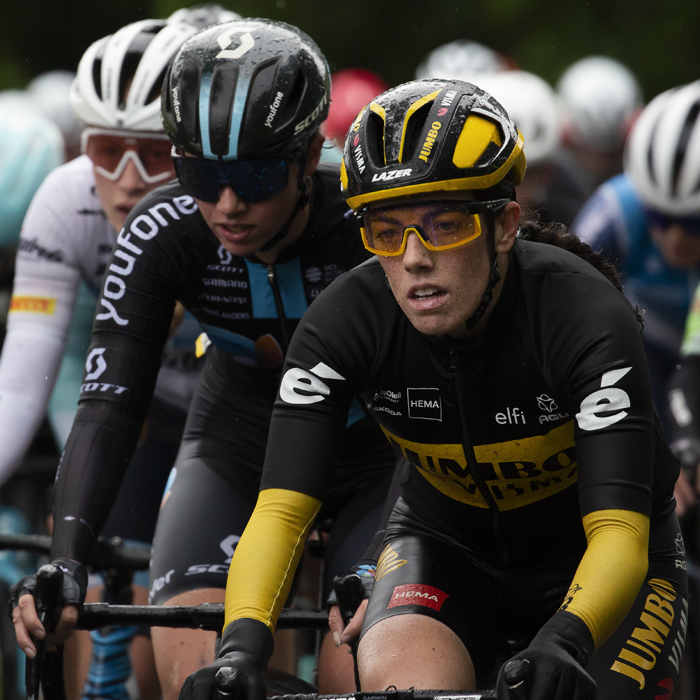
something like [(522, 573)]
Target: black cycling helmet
[(431, 136), (246, 89)]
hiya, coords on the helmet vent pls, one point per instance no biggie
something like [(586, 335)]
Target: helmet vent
[(188, 85), (294, 99), (375, 140), (97, 71), (682, 145), (223, 89), (132, 58), (154, 94), (412, 136), (261, 96), (650, 157)]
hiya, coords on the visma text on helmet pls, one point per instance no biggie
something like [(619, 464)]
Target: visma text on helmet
[(429, 141)]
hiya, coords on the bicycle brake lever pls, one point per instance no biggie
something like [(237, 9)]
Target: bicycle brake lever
[(228, 684), (349, 593), (517, 674), (49, 582)]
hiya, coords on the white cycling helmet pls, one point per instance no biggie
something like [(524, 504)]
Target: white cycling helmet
[(119, 77), (204, 15), (31, 146), (461, 60), (601, 99), (532, 104), (662, 157), (51, 92)]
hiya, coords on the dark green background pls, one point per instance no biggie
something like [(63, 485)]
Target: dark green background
[(658, 40)]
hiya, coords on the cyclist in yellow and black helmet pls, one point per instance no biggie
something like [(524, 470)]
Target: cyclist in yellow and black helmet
[(537, 518)]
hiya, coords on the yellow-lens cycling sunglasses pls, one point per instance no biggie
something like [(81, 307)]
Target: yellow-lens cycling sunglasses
[(440, 225)]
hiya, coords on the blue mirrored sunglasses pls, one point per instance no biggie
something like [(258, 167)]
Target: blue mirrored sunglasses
[(690, 224), (251, 180)]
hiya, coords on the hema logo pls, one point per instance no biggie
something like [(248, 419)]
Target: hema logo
[(424, 403)]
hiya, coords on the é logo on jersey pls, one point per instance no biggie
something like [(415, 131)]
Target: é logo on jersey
[(225, 39), (597, 408), (100, 364), (299, 386)]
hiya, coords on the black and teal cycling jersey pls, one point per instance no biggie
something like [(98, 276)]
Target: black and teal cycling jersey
[(167, 253)]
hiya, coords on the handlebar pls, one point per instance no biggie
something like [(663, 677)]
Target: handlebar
[(106, 554)]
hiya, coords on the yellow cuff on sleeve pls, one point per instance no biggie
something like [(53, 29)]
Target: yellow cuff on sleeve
[(611, 571), (263, 565)]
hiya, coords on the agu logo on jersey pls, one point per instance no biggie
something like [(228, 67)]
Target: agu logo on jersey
[(417, 594), (425, 404)]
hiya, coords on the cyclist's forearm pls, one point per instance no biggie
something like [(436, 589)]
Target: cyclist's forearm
[(28, 371), (38, 324), (611, 571), (92, 466), (263, 566)]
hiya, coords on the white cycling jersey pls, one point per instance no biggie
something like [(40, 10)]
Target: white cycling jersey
[(65, 238)]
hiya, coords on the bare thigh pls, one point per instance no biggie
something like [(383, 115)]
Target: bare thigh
[(181, 652), (413, 651)]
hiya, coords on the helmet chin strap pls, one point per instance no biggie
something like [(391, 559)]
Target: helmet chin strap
[(494, 279), (304, 185)]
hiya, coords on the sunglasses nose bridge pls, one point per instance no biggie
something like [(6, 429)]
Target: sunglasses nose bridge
[(413, 228)]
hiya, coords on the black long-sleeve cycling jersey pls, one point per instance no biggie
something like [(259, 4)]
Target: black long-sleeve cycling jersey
[(522, 446), (166, 252)]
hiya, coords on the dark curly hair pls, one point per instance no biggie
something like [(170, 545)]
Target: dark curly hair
[(532, 229)]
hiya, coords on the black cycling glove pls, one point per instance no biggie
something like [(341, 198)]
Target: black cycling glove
[(246, 647), (75, 581), (557, 657), (365, 574)]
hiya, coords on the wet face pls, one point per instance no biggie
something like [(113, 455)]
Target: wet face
[(678, 247), (119, 197), (439, 290)]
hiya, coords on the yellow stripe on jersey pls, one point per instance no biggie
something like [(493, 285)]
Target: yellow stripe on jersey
[(263, 566), (611, 571), (33, 305)]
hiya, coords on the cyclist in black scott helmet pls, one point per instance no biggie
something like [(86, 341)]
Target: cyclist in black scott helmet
[(502, 360), (253, 231)]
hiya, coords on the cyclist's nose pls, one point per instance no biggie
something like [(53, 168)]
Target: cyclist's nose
[(229, 202), (416, 254), (130, 180)]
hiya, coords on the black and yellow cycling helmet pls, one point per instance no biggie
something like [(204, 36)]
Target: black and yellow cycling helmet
[(431, 136)]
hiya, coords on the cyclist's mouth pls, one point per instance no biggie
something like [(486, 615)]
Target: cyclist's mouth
[(426, 297)]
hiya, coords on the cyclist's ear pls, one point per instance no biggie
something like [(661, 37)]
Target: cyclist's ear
[(313, 154), (507, 223)]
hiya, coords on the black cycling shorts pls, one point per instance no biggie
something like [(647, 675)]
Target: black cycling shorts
[(203, 516), (217, 480), (496, 611)]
